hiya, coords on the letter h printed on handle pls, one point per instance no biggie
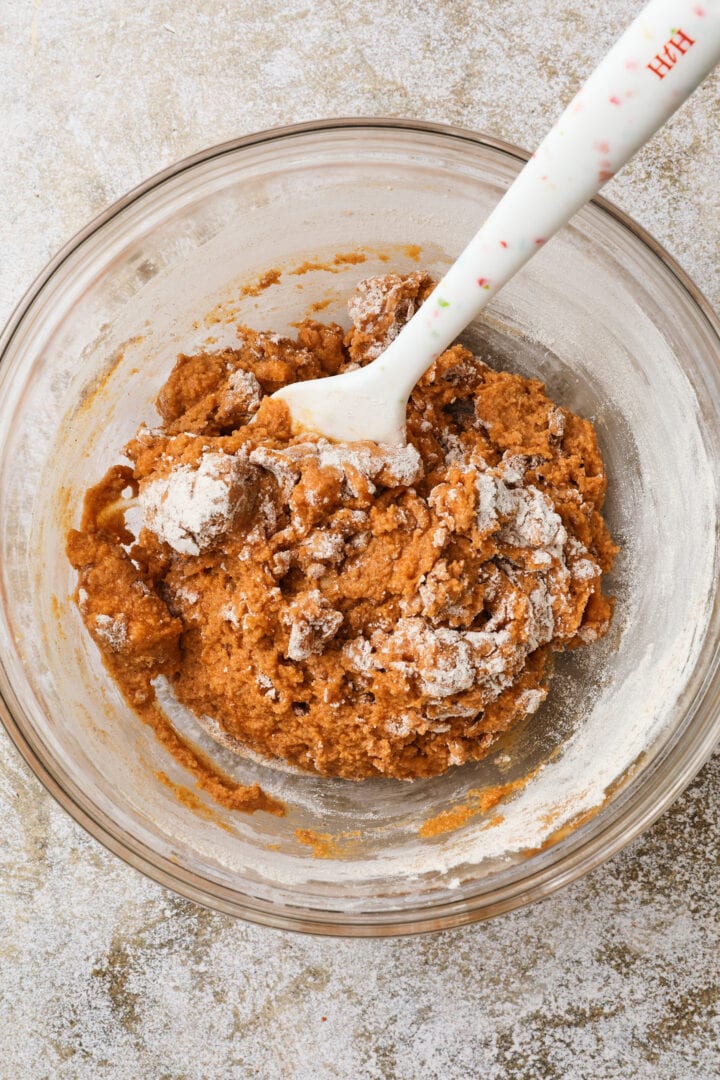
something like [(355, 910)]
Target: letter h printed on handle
[(665, 60)]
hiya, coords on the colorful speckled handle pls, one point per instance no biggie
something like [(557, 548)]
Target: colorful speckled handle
[(657, 63)]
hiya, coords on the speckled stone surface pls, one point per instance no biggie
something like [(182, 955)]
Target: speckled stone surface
[(104, 974)]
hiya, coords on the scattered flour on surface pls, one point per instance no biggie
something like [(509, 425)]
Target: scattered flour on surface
[(112, 630), (313, 622)]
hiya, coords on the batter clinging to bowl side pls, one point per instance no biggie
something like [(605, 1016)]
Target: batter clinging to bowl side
[(353, 609)]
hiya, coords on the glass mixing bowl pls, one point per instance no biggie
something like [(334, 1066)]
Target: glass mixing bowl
[(602, 315)]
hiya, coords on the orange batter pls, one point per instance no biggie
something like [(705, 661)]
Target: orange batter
[(352, 609)]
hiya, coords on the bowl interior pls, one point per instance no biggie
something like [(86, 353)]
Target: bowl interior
[(596, 315)]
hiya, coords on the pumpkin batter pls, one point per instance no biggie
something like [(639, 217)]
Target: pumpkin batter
[(350, 608)]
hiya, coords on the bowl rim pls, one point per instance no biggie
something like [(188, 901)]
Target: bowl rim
[(650, 799)]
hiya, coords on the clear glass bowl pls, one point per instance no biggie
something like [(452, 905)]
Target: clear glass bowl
[(602, 315)]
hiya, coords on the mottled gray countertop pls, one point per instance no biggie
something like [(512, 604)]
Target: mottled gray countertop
[(105, 974)]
